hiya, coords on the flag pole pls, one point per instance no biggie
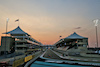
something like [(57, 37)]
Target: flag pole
[(18, 23), (60, 37)]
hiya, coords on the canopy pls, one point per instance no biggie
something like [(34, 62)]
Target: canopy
[(18, 30), (75, 36), (70, 38)]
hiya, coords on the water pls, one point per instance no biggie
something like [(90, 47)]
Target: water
[(46, 64)]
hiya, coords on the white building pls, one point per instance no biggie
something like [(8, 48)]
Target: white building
[(23, 40), (73, 43)]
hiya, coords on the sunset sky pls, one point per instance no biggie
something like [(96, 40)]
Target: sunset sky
[(46, 20)]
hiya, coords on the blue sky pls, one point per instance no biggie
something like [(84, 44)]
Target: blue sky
[(46, 20)]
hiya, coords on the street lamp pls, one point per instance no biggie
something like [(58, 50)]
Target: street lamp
[(96, 24), (6, 34)]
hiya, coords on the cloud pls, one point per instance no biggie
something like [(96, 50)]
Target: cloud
[(77, 28)]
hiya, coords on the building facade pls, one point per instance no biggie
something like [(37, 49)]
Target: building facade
[(7, 44), (73, 44), (22, 40)]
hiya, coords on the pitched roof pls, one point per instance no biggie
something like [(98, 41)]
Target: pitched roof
[(17, 30), (74, 36)]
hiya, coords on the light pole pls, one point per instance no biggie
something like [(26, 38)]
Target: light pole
[(96, 24), (6, 35)]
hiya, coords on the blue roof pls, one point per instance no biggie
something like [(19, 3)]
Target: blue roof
[(17, 30), (74, 36)]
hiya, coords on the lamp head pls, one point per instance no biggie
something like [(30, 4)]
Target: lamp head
[(7, 19), (96, 22)]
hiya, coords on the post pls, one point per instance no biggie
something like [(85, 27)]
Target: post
[(15, 53), (6, 35), (96, 36)]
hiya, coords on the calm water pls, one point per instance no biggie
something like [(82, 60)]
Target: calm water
[(46, 64)]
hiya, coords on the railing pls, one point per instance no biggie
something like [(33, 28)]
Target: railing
[(21, 61), (18, 62)]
